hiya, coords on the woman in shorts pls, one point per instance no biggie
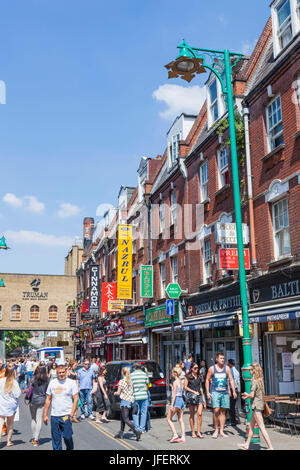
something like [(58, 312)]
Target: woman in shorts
[(177, 406)]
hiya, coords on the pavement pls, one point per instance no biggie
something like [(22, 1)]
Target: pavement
[(89, 435)]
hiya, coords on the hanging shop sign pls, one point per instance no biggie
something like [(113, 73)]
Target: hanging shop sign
[(98, 333), (146, 280), (226, 233), (229, 259), (124, 290), (73, 318), (115, 305), (241, 326), (158, 316), (113, 328), (94, 295), (86, 334), (109, 292), (134, 325), (85, 313)]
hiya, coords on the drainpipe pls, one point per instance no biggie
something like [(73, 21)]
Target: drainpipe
[(246, 114)]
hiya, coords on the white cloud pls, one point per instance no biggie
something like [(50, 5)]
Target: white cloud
[(68, 210), (180, 99), (33, 205), (26, 237), (102, 209), (222, 19), (247, 47), (12, 200)]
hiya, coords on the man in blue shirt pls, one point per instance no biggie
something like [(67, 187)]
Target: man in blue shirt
[(85, 380)]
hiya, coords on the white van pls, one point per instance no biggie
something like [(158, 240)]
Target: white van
[(46, 354)]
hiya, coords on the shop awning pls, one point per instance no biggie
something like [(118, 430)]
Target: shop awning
[(132, 341), (268, 314), (213, 321), (165, 330)]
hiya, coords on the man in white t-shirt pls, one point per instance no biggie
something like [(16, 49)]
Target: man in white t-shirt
[(29, 371), (62, 394)]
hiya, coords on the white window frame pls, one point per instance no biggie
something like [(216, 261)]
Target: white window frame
[(38, 311), (162, 218), (212, 104), (207, 260), (278, 231), (270, 128), (204, 181), (223, 167), (174, 267), (12, 316), (53, 319), (292, 22), (173, 204), (162, 275)]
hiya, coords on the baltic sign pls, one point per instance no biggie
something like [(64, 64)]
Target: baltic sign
[(228, 258), (94, 297), (146, 277), (124, 290)]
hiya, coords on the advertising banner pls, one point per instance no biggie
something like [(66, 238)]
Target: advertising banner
[(124, 290), (228, 258), (109, 292), (94, 298), (146, 279), (116, 305)]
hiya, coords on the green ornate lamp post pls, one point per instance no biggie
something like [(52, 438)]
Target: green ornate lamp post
[(3, 245), (192, 61)]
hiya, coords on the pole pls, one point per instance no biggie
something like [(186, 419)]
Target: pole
[(247, 352), (173, 358)]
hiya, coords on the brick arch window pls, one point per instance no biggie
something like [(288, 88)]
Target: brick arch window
[(15, 313), (34, 314), (53, 313), (70, 310)]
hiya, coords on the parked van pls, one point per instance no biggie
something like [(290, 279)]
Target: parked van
[(46, 354)]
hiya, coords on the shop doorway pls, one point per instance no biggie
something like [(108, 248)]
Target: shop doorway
[(230, 348), (179, 349)]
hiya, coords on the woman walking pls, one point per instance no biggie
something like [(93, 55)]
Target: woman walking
[(9, 394), (125, 392), (256, 396), (177, 406), (72, 374), (39, 383), (195, 399), (102, 401), (53, 371)]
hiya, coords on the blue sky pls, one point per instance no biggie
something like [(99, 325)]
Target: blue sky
[(86, 98)]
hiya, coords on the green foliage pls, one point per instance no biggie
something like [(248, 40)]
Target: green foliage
[(17, 339)]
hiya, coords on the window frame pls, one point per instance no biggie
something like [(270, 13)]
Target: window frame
[(203, 184), (34, 312), (174, 276), (173, 206), (277, 232), (52, 319), (0, 312), (287, 23), (270, 129), (222, 170), (162, 280), (162, 211), (207, 260), (11, 312)]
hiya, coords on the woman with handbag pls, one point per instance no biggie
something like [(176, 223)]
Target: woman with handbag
[(195, 399), (102, 400), (177, 406), (258, 405), (9, 394), (72, 374), (125, 392), (37, 399)]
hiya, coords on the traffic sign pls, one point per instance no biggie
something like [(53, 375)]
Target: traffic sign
[(170, 307), (173, 290)]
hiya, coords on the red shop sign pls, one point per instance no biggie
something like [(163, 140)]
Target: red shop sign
[(109, 292), (228, 258)]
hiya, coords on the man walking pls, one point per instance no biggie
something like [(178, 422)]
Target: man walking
[(234, 410), (85, 380), (63, 395), (219, 396), (140, 381), (29, 371)]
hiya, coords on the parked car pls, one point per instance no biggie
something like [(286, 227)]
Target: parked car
[(157, 384)]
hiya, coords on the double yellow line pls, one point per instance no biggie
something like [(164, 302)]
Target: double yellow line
[(124, 444)]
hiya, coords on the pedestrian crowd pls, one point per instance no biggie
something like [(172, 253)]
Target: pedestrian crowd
[(74, 392)]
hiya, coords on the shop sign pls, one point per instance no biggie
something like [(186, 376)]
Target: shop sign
[(226, 233), (134, 324), (113, 328), (241, 326), (275, 287), (146, 279), (86, 334), (158, 316), (99, 333), (73, 318), (94, 295), (217, 300), (229, 259), (115, 305), (275, 326), (109, 292), (124, 290)]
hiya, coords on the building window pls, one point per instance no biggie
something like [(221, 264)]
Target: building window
[(34, 314), (162, 268), (141, 234), (0, 312), (70, 310), (206, 253), (173, 207), (223, 167), (213, 95), (53, 313), (298, 9), (274, 123), (281, 229), (15, 313), (204, 181), (285, 32), (161, 218), (174, 264), (174, 149)]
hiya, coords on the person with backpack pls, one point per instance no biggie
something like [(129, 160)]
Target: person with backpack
[(22, 375), (39, 385)]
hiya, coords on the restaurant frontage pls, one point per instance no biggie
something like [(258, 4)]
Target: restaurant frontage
[(134, 344)]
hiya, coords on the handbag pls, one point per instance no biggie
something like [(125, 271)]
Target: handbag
[(191, 398), (28, 394), (267, 411)]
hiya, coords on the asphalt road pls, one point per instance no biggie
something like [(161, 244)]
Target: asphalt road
[(87, 435)]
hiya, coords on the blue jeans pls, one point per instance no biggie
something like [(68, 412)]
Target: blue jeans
[(61, 426), (140, 418), (28, 377), (86, 397), (21, 380)]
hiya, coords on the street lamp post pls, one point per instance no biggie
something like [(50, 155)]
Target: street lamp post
[(192, 61)]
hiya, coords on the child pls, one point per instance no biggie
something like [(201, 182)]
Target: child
[(177, 406)]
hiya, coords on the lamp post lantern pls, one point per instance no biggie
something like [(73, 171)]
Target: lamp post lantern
[(192, 61)]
